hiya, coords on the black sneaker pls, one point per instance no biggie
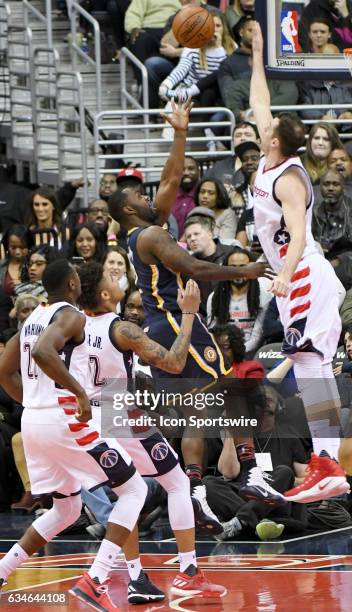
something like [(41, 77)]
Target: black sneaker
[(254, 484), (2, 583), (143, 591), (205, 518)]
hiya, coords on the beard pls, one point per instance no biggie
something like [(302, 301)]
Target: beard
[(146, 214), (187, 184)]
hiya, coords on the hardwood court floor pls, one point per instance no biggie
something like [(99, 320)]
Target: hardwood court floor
[(308, 574)]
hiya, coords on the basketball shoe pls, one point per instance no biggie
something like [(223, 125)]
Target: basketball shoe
[(94, 593), (142, 590), (254, 484), (324, 479), (204, 517), (196, 585)]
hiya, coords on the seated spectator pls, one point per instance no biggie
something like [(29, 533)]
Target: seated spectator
[(343, 373), (325, 92), (319, 34), (117, 264), (38, 259), (340, 160), (228, 170), (323, 138), (238, 64), (117, 11), (249, 154), (240, 301), (199, 235), (24, 306), (145, 22), (86, 242), (231, 340), (98, 214), (108, 185), (184, 201), (336, 12), (160, 66), (44, 214), (332, 218), (286, 467), (213, 195), (238, 10), (16, 242)]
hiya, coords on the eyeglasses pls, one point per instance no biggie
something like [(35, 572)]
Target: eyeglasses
[(96, 211)]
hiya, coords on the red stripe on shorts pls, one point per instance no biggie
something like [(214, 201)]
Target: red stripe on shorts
[(299, 309), (70, 411), (300, 291), (77, 426), (300, 274), (71, 399), (88, 438)]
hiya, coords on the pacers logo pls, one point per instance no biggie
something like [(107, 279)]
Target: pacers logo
[(292, 336), (210, 354), (109, 458), (159, 451)]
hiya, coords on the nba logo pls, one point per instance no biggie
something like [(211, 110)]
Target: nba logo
[(289, 32)]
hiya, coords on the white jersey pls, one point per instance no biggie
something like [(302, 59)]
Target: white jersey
[(40, 391), (106, 361), (268, 217)]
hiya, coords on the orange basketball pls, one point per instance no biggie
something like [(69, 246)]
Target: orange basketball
[(193, 27)]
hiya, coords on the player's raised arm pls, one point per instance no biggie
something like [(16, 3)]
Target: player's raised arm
[(259, 93), (10, 362), (173, 169), (68, 325), (129, 336)]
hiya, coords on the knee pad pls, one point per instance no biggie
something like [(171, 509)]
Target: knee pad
[(64, 513), (177, 485), (131, 498)]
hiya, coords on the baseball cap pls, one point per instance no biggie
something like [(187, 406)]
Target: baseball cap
[(128, 173), (241, 149), (201, 211)]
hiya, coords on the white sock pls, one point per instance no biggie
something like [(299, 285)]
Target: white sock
[(12, 559), (104, 560), (134, 568), (186, 559)]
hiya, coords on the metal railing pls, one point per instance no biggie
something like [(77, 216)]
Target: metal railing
[(4, 70), (126, 96), (30, 11), (154, 150), (78, 12)]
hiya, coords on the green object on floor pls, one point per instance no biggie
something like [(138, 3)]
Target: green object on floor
[(269, 530)]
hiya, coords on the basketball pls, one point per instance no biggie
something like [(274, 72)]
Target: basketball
[(193, 27)]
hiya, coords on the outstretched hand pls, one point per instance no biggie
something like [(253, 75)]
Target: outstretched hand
[(179, 118), (257, 40), (189, 299)]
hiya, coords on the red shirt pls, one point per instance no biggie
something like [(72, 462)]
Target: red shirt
[(248, 369)]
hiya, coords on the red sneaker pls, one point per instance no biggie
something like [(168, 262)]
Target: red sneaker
[(94, 593), (196, 585), (325, 478)]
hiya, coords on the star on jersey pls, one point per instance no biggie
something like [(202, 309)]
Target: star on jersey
[(281, 237)]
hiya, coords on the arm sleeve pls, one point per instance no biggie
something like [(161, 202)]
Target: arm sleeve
[(180, 71)]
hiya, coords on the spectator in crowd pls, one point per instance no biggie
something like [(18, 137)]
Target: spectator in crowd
[(249, 155), (240, 301), (108, 185), (332, 218), (144, 22), (337, 13), (287, 465), (231, 340), (117, 264), (228, 170), (130, 177), (323, 138), (237, 65), (86, 242), (199, 235), (10, 422), (117, 11), (16, 242), (37, 260), (319, 34), (24, 306), (184, 201), (213, 195), (238, 10), (44, 214), (98, 214), (160, 66), (343, 373), (340, 160), (325, 92)]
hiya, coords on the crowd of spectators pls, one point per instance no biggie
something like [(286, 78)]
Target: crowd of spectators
[(212, 217)]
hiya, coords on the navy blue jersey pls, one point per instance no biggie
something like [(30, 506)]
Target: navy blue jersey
[(159, 286)]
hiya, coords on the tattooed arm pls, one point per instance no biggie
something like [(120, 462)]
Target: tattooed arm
[(129, 336)]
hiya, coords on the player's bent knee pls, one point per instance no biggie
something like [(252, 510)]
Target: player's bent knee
[(345, 455), (62, 515)]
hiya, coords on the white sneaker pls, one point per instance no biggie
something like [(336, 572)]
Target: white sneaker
[(254, 485), (204, 516)]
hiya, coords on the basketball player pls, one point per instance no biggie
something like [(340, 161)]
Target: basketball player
[(111, 344), (63, 452), (305, 285), (160, 265)]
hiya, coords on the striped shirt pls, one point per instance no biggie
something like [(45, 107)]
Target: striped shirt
[(189, 71)]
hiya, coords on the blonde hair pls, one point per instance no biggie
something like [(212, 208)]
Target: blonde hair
[(22, 298), (315, 167), (227, 42)]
